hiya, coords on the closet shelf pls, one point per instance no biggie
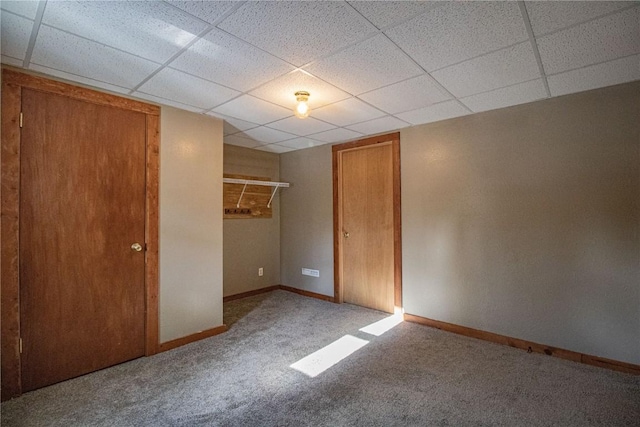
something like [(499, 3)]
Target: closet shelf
[(246, 182)]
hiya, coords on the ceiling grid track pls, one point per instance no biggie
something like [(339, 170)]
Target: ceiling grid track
[(534, 45), (42, 4)]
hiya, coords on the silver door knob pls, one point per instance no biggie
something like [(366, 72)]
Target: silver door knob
[(346, 234), (136, 247)]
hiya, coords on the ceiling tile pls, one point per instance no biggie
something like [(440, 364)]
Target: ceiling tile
[(369, 65), (152, 30), (408, 95), (207, 10), (187, 89), (11, 61), (163, 101), (505, 67), (233, 125), (251, 109), (15, 32), (274, 148), (433, 113), (601, 75), (298, 31), (383, 124), (301, 143), (301, 127), (336, 135), (547, 16), (240, 141), (602, 40), (266, 135), (28, 9), (386, 13), (79, 79), (458, 31), (224, 59), (506, 96), (75, 55), (281, 90), (347, 112)]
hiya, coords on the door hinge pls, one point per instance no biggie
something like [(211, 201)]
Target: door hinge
[(21, 118), (20, 345)]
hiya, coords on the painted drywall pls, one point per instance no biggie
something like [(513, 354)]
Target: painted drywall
[(526, 221), (307, 219), (250, 244), (523, 221), (190, 223)]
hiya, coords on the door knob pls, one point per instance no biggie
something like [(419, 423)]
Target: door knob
[(136, 247), (346, 234)]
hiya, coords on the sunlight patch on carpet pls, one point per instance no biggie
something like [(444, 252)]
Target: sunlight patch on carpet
[(321, 360), (381, 326)]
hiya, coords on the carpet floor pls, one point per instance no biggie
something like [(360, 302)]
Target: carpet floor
[(410, 375)]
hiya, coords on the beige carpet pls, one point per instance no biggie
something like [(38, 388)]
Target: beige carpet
[(410, 375)]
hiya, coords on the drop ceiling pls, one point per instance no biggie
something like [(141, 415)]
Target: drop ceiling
[(370, 67)]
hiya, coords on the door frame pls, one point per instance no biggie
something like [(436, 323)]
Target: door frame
[(12, 83), (337, 151)]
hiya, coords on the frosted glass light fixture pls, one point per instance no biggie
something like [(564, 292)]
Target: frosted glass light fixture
[(302, 109)]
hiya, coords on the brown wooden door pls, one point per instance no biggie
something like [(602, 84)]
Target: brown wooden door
[(367, 226), (82, 206)]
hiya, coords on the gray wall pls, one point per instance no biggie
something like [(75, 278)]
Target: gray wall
[(190, 223), (307, 219), (523, 221), (252, 243)]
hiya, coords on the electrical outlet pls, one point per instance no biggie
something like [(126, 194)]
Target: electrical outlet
[(310, 272), (260, 271)]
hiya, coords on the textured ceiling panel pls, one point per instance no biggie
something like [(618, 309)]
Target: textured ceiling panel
[(75, 55), (604, 39), (369, 65), (506, 96), (499, 69), (209, 11), (301, 143), (408, 95), (548, 16), (14, 35), (226, 60), (187, 89), (282, 90), (298, 31), (347, 112), (274, 148), (336, 135), (164, 101), (232, 125), (253, 110), (383, 124), (152, 30), (28, 9), (301, 127), (240, 141), (459, 31), (433, 113), (266, 135), (79, 79), (386, 13), (600, 75)]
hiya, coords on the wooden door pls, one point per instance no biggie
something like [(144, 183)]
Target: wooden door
[(82, 206), (367, 226)]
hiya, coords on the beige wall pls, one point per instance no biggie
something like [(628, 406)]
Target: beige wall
[(307, 219), (190, 223), (252, 243), (523, 221)]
